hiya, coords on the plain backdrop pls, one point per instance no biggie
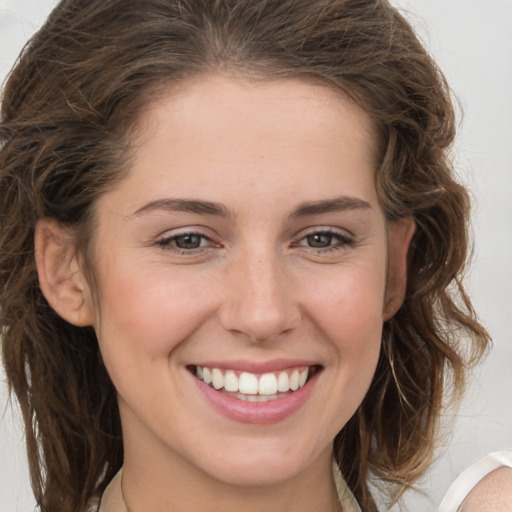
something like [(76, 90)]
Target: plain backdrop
[(472, 42)]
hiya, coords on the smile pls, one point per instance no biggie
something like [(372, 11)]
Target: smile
[(254, 387), (256, 393)]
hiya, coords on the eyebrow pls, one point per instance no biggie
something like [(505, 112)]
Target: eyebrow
[(199, 207), (337, 204), (187, 206)]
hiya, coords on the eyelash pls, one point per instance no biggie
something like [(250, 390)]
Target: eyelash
[(167, 243), (343, 241)]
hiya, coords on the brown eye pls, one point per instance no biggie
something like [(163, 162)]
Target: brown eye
[(319, 240), (189, 241), (185, 242), (326, 240)]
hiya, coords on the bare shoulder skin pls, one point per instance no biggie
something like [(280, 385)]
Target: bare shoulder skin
[(492, 494)]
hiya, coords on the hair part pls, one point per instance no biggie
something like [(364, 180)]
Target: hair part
[(68, 109)]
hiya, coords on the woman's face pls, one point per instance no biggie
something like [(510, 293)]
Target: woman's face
[(246, 245)]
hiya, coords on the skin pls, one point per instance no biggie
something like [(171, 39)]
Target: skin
[(492, 494), (254, 290)]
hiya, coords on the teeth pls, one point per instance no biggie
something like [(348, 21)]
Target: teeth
[(248, 383), (231, 382), (268, 384), (259, 398), (217, 379), (207, 376), (283, 382), (303, 377), (249, 386), (294, 380)]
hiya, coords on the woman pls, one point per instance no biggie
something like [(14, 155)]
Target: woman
[(231, 253)]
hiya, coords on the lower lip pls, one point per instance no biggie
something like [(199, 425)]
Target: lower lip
[(258, 413)]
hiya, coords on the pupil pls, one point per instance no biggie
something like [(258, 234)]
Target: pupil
[(188, 241), (319, 240)]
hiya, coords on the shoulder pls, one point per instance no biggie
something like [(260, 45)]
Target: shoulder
[(493, 493), (485, 486)]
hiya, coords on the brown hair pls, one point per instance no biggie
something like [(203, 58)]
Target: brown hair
[(67, 105)]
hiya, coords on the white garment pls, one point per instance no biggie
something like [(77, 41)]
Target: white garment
[(93, 505), (462, 486), (347, 500)]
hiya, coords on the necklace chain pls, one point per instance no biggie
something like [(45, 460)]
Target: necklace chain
[(126, 507)]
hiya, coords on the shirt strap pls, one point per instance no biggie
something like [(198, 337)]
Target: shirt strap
[(471, 476)]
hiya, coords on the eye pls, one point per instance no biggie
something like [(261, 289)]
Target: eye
[(327, 239), (186, 242), (319, 240)]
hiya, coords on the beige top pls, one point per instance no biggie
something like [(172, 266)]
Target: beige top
[(113, 500)]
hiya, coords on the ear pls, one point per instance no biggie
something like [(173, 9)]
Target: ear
[(400, 233), (61, 279)]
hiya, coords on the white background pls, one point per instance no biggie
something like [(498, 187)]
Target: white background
[(472, 41)]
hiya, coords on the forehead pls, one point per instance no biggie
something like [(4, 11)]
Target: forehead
[(288, 103), (216, 137)]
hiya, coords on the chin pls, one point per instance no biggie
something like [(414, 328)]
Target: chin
[(259, 465), (250, 474)]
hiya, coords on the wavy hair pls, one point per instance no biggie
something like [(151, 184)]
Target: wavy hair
[(68, 107)]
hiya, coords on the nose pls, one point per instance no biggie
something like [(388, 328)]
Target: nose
[(259, 301)]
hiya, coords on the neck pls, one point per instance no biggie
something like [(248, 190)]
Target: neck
[(271, 476), (182, 490)]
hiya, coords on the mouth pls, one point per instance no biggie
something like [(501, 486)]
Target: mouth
[(255, 387)]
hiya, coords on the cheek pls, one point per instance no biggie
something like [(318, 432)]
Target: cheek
[(145, 317), (349, 315), (146, 314), (349, 306)]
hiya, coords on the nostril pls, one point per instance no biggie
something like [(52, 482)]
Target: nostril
[(258, 303), (260, 323)]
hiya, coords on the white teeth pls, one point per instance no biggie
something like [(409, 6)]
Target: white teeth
[(217, 379), (231, 382), (249, 386), (283, 382), (258, 398), (207, 376), (248, 383), (294, 380), (268, 384)]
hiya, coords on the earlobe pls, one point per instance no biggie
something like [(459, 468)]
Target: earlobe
[(61, 279), (400, 233)]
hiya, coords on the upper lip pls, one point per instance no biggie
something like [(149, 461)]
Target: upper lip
[(274, 365)]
